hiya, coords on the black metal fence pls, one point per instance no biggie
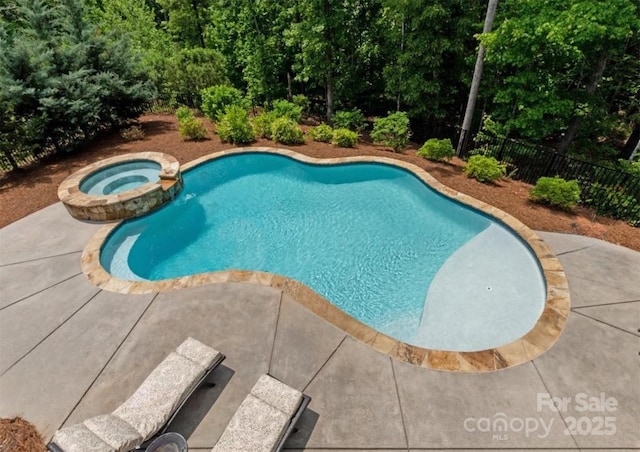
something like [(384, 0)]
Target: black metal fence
[(13, 159), (611, 192)]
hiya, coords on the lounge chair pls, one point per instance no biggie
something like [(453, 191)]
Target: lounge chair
[(150, 409), (265, 418)]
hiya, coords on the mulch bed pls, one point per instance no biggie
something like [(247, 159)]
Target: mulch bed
[(31, 189), (18, 435)]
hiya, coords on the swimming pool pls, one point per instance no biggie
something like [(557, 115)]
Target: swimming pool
[(371, 238)]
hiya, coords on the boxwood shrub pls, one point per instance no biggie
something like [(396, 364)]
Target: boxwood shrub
[(484, 169), (344, 138), (286, 131), (556, 191), (438, 150)]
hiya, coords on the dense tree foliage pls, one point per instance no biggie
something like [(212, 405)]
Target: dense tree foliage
[(559, 72), (61, 80), (560, 64), (427, 48)]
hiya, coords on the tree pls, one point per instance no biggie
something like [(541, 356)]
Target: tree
[(137, 20), (317, 35), (427, 45), (186, 20), (336, 47), (548, 60), (63, 81), (475, 82), (189, 72), (252, 36)]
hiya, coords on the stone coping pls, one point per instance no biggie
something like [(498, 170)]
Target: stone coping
[(539, 339), (112, 207)]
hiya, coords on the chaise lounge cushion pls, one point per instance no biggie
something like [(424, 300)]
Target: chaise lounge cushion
[(255, 427), (78, 438), (149, 408), (277, 394), (197, 352), (114, 431), (261, 419)]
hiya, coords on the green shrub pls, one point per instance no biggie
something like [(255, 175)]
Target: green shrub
[(262, 124), (630, 167), (485, 169), (189, 127), (438, 150), (286, 131), (285, 109), (192, 129), (302, 101), (392, 130), (352, 120), (614, 202), (183, 113), (234, 126), (216, 99), (344, 138), (556, 191), (322, 133)]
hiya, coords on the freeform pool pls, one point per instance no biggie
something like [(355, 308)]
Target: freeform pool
[(371, 238)]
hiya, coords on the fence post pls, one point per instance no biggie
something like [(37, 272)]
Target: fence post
[(552, 164), (501, 150)]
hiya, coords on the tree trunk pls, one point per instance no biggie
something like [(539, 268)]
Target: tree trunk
[(329, 97), (574, 124), (289, 90), (631, 146), (326, 9), (475, 83), (194, 5), (401, 69)]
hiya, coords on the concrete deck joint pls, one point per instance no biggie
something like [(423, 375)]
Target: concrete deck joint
[(39, 291), (606, 323), (324, 364), (544, 383), (395, 384), (604, 304), (106, 364), (574, 251), (52, 331), (275, 332), (8, 264)]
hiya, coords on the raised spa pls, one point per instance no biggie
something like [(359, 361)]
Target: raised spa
[(121, 177), (371, 238)]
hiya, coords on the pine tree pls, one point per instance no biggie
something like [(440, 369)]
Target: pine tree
[(62, 81)]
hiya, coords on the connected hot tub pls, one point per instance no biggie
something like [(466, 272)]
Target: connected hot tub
[(121, 187)]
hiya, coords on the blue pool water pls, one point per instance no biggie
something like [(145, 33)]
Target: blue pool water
[(121, 177), (371, 238)]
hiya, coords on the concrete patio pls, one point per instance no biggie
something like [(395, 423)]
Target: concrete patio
[(69, 350)]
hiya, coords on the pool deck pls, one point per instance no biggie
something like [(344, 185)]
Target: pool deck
[(69, 350)]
